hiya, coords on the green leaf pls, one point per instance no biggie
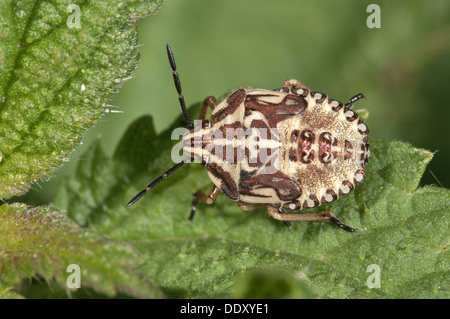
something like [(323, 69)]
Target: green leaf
[(271, 284), (42, 243), (7, 293), (59, 63), (401, 228)]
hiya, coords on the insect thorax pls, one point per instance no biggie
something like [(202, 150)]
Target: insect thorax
[(293, 148)]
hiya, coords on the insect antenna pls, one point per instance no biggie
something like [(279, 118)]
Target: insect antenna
[(154, 183), (350, 102), (189, 125), (176, 79)]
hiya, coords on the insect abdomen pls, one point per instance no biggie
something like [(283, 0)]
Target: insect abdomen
[(324, 150)]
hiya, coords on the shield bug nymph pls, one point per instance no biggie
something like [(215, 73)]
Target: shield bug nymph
[(284, 149)]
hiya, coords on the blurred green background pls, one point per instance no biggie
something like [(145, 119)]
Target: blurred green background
[(403, 68)]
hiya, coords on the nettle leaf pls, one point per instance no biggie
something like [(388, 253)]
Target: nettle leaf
[(41, 242), (7, 293), (59, 63), (402, 230)]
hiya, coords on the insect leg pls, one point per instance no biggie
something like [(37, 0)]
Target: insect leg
[(322, 217), (215, 191), (249, 207), (208, 101), (350, 102)]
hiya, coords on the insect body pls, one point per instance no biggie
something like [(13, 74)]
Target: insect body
[(284, 149)]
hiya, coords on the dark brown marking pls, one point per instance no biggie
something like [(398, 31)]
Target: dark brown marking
[(320, 99), (348, 150), (260, 124), (336, 108), (262, 157), (285, 188), (363, 155), (229, 154), (227, 185), (233, 101), (306, 141), (361, 131), (346, 183), (314, 199), (353, 116), (259, 130), (332, 193), (367, 153), (294, 136), (363, 152), (303, 94), (295, 202), (325, 155), (360, 171), (232, 126), (274, 113), (334, 149), (256, 163), (245, 175), (293, 155)]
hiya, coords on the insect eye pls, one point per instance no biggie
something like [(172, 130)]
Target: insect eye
[(206, 123)]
